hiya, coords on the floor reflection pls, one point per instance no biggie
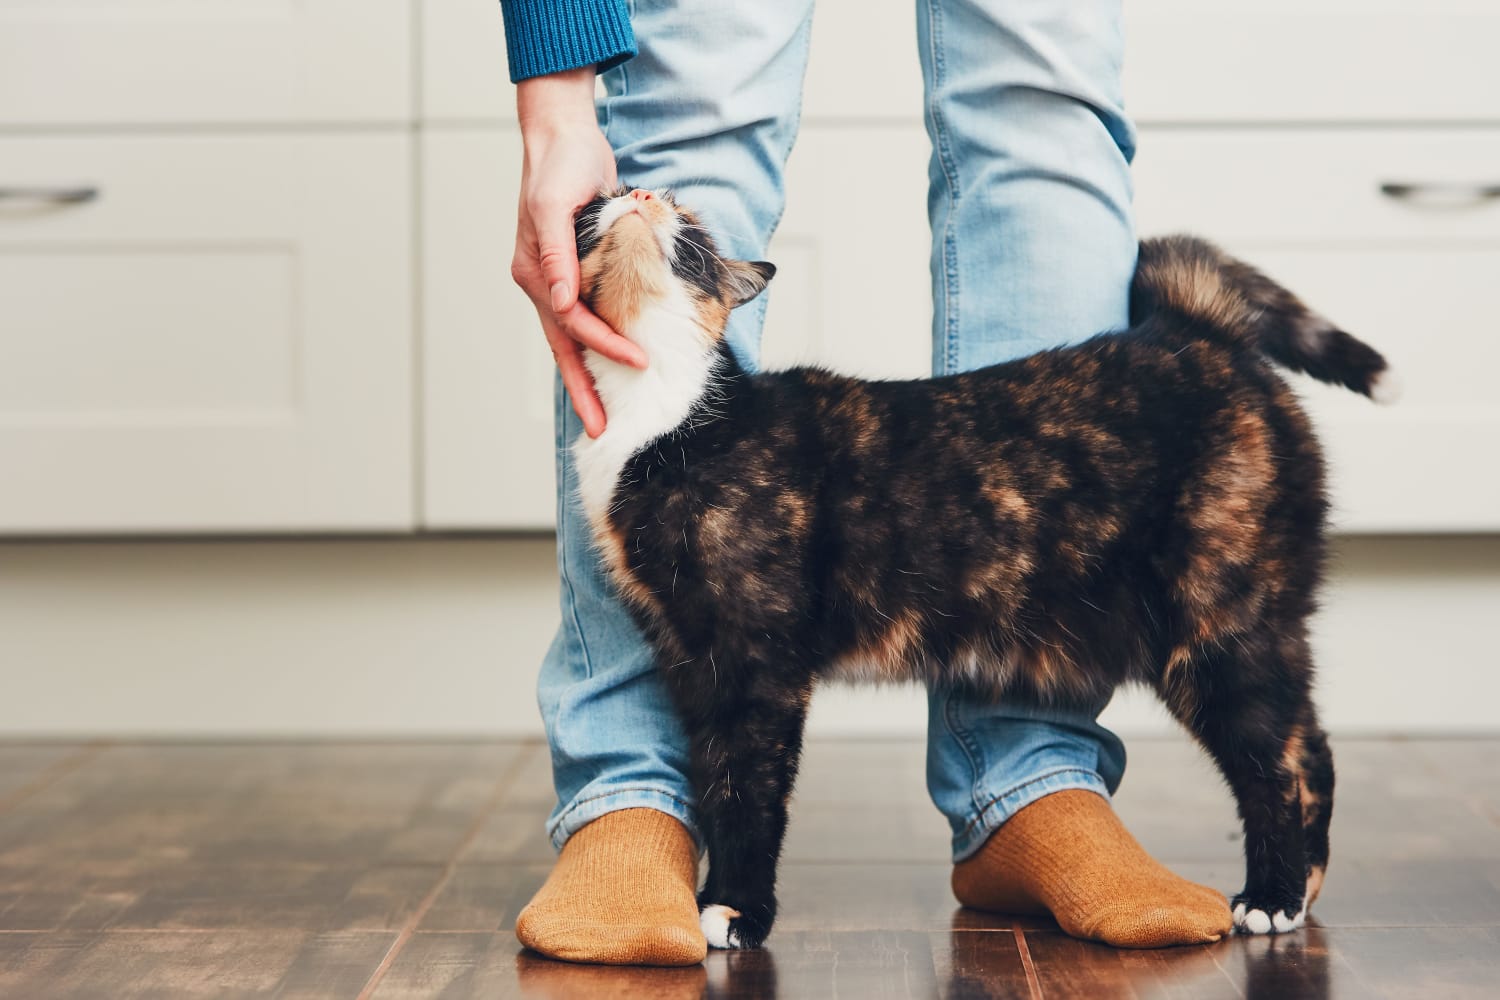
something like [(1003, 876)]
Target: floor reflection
[(722, 975), (963, 963), (1287, 965), (547, 979)]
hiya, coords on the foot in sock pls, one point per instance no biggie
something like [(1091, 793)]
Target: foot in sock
[(1068, 854), (623, 892)]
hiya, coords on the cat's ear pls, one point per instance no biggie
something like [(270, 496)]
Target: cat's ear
[(747, 279)]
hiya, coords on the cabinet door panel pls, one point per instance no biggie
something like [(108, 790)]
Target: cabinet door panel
[(464, 72), (1377, 61), (486, 369), (219, 341), (80, 62)]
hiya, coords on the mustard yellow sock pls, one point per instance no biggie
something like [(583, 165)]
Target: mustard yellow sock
[(623, 892), (1069, 855)]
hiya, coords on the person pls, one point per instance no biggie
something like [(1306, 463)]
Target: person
[(1033, 246)]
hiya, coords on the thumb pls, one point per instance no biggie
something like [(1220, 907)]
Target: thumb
[(557, 253)]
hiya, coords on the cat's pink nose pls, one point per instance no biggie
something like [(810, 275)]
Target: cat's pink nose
[(640, 194)]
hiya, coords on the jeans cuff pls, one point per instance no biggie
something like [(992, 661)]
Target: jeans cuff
[(584, 811), (1002, 807)]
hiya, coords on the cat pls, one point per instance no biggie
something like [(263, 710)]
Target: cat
[(1146, 506)]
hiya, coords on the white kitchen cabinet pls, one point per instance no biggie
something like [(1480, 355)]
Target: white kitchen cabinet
[(1212, 61), (220, 340), (1330, 61), (465, 76), (486, 372), (89, 62)]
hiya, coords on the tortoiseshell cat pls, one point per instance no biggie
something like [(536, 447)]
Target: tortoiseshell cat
[(1145, 506)]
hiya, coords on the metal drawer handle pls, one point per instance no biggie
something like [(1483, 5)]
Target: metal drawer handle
[(50, 195), (1448, 194)]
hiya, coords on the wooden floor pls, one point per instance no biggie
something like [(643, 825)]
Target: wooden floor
[(396, 870)]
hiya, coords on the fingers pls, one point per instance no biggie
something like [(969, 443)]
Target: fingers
[(576, 379), (583, 326), (550, 278), (557, 254)]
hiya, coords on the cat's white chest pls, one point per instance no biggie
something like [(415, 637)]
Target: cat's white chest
[(642, 405)]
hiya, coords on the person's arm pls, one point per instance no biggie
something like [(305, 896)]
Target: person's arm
[(549, 36), (567, 161)]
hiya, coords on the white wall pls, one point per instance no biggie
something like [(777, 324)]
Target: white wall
[(443, 636)]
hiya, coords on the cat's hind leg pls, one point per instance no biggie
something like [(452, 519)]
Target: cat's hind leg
[(1247, 702), (1315, 791)]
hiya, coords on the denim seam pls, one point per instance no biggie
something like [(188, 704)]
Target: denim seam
[(972, 751), (1016, 788), (563, 498), (950, 173), (623, 70)]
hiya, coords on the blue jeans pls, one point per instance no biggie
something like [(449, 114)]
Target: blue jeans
[(1033, 246)]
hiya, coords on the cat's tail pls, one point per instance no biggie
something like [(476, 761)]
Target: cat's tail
[(1229, 301)]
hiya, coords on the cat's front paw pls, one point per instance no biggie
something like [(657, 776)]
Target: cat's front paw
[(1254, 915), (729, 928)]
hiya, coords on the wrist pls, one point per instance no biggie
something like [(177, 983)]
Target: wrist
[(556, 103)]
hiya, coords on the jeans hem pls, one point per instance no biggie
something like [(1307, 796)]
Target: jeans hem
[(1002, 807), (584, 811)]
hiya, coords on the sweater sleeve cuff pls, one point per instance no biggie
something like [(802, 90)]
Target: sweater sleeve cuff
[(549, 36)]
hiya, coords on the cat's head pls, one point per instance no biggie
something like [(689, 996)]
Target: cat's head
[(640, 253)]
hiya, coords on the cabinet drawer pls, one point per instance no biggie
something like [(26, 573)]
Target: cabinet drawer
[(1312, 60), (1215, 61), (220, 341), (215, 61), (1413, 277)]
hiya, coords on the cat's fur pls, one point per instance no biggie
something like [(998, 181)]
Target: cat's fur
[(1145, 506)]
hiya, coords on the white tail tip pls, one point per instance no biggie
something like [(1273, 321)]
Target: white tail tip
[(1385, 388)]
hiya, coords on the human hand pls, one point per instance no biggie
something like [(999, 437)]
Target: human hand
[(567, 162)]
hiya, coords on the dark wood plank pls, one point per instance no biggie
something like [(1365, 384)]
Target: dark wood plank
[(314, 803), (515, 833), (492, 964), (1391, 803), (1066, 967), (484, 897), (25, 766), (1418, 963), (981, 965), (1469, 770), (218, 964), (798, 964), (198, 896)]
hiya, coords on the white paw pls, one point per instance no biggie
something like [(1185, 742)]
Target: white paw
[(1248, 921), (715, 923), (1284, 923), (1255, 922)]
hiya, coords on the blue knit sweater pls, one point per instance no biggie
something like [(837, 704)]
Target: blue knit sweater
[(548, 36)]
